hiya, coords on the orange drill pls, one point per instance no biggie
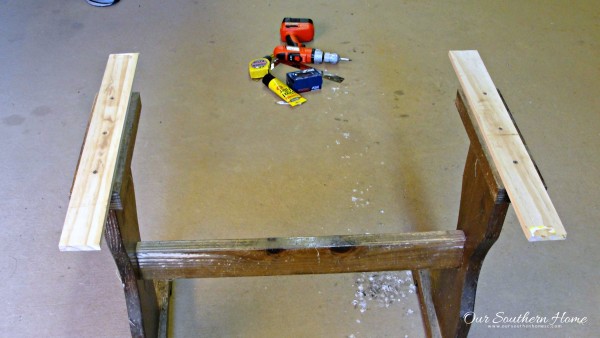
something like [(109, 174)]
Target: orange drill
[(294, 32)]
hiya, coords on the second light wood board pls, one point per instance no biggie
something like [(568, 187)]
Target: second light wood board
[(91, 194), (535, 211)]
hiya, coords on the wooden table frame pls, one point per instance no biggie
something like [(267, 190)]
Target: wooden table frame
[(445, 264)]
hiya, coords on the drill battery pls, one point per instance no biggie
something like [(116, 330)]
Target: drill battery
[(305, 80)]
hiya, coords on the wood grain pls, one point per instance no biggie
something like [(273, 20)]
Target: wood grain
[(133, 296), (533, 207), (430, 321), (481, 216), (91, 194), (164, 290), (299, 255)]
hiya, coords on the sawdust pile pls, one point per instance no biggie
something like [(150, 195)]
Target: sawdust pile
[(382, 289)]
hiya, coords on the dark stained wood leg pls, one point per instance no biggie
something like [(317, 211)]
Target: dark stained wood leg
[(163, 291), (422, 281), (128, 275), (482, 211), (122, 235)]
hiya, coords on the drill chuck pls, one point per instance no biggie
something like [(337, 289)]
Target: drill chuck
[(326, 57), (331, 58)]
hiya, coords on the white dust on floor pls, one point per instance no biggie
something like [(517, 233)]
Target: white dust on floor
[(382, 290)]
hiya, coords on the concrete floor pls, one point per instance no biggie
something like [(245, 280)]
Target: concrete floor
[(217, 158)]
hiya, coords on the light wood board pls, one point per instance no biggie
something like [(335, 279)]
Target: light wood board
[(91, 193), (531, 202)]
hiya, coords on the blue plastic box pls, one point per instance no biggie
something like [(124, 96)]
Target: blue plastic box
[(305, 80)]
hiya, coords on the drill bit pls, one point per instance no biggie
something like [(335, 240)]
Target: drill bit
[(333, 77)]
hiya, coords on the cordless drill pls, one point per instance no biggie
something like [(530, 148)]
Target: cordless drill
[(295, 32)]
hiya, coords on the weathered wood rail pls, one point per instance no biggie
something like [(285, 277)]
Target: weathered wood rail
[(299, 255), (446, 264)]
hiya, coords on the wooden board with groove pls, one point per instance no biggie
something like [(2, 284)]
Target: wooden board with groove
[(533, 207), (92, 187), (299, 255)]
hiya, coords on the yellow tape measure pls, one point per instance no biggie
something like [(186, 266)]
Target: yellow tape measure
[(258, 68)]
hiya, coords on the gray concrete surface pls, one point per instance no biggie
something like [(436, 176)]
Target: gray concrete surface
[(217, 158)]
